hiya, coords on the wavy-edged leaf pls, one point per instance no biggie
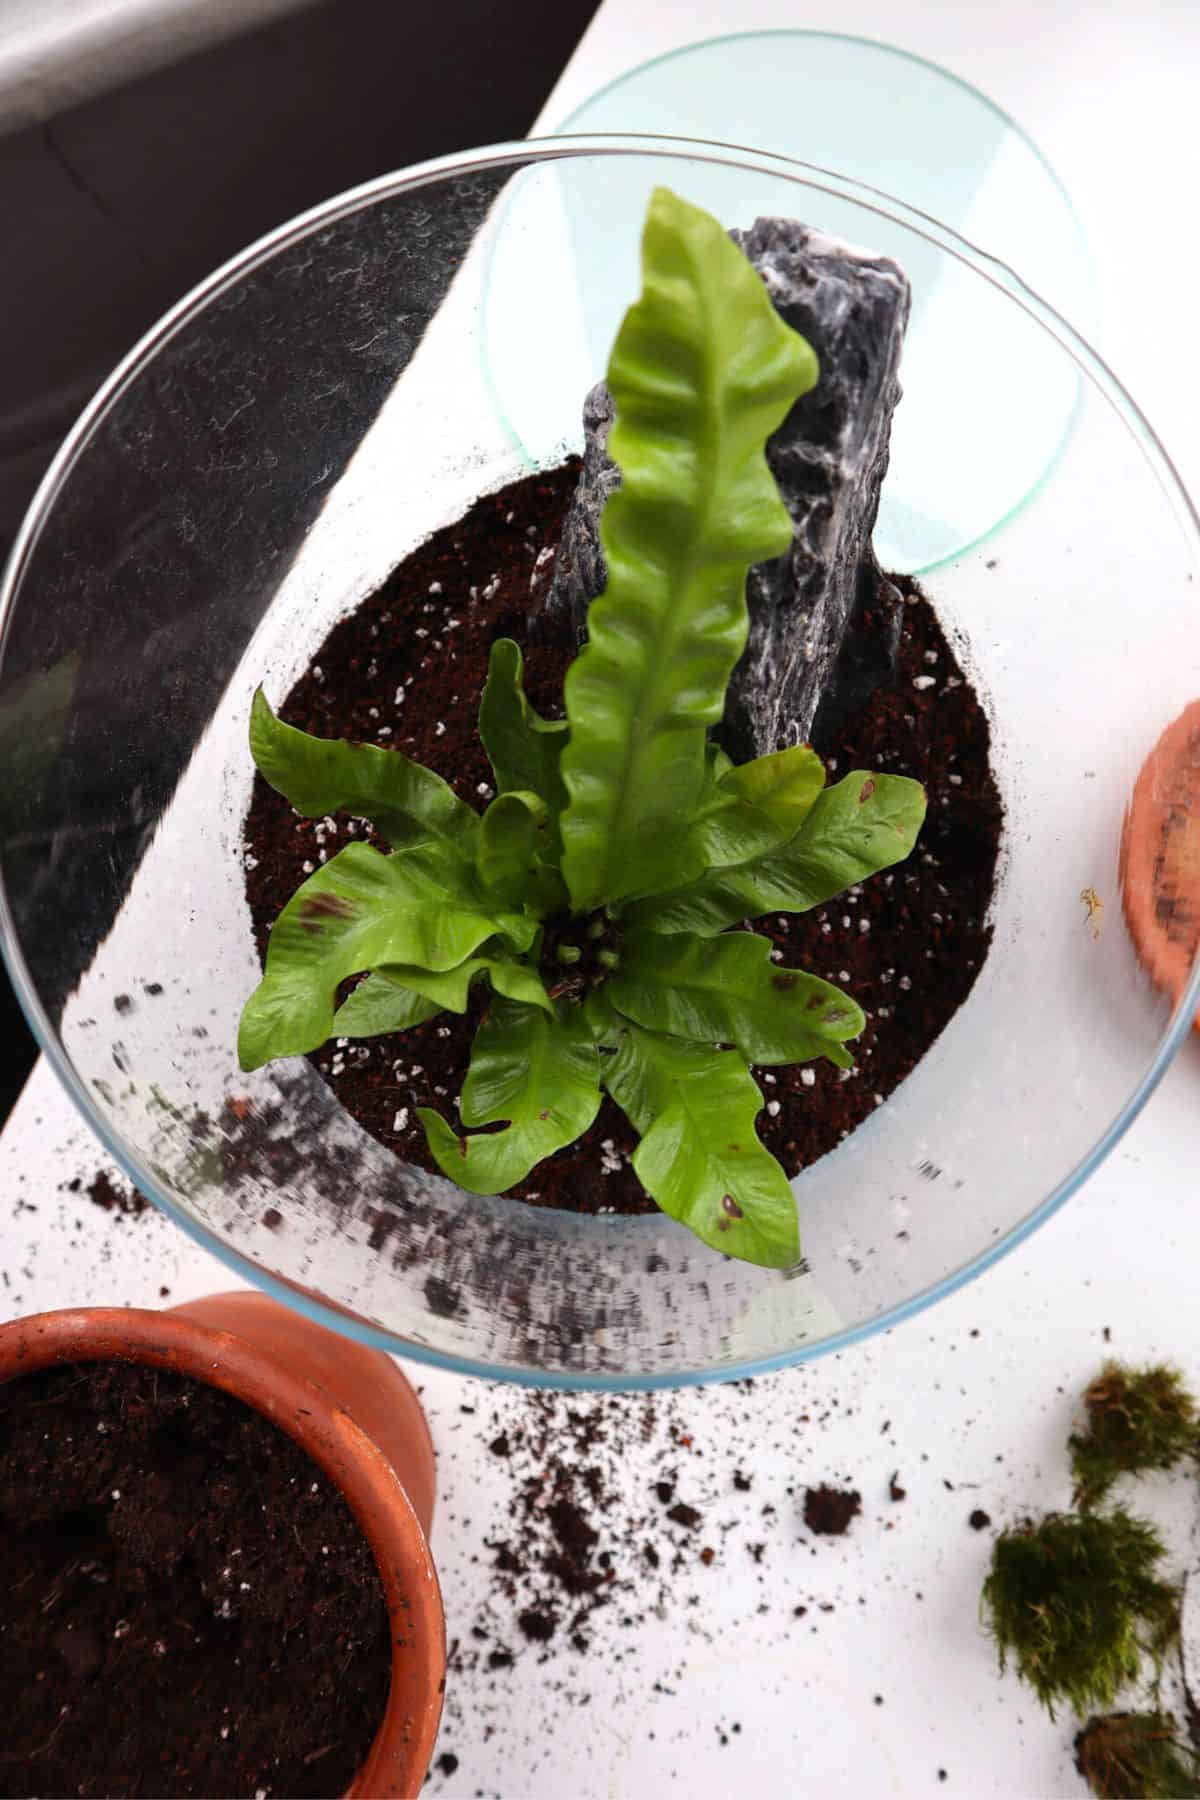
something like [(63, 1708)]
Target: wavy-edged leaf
[(702, 372), (539, 1073), (404, 800), (514, 838), (700, 1156), (757, 806), (605, 1024), (380, 1005), (396, 998), (361, 910), (728, 991), (862, 824), (523, 748), (717, 763), (510, 837), (743, 812)]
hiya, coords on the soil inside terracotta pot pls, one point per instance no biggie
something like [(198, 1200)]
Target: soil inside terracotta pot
[(407, 668), (187, 1604)]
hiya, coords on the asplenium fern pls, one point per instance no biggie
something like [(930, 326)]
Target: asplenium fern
[(594, 893)]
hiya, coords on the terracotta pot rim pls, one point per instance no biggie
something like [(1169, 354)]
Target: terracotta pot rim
[(400, 1753)]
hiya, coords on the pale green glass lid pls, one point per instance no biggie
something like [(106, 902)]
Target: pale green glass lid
[(880, 116)]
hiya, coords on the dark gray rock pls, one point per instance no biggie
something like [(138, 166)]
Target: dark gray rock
[(829, 457), (579, 571)]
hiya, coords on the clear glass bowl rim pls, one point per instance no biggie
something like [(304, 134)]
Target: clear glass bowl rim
[(518, 153)]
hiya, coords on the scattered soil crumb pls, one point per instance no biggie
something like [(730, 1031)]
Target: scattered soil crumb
[(829, 1510), (111, 1196)]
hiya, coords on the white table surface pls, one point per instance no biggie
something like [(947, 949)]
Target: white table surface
[(970, 1403)]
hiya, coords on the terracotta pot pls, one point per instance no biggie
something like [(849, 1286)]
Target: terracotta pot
[(353, 1412)]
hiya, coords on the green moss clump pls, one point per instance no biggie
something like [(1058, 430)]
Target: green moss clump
[(1076, 1602), (1137, 1419), (1136, 1756)]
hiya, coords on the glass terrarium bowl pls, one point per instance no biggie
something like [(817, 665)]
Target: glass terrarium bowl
[(268, 454)]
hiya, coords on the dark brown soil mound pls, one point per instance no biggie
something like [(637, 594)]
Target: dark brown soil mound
[(187, 1606), (407, 668)]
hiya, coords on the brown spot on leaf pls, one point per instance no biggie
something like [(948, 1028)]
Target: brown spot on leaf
[(731, 1207), (324, 906), (783, 981), (866, 790), (463, 1148), (545, 1113)]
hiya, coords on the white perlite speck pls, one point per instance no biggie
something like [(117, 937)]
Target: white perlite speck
[(924, 681), (400, 1122), (808, 1077)]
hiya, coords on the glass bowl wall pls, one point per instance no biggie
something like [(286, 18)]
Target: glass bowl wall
[(264, 459)]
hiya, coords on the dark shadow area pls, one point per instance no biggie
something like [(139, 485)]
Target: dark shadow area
[(113, 210)]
